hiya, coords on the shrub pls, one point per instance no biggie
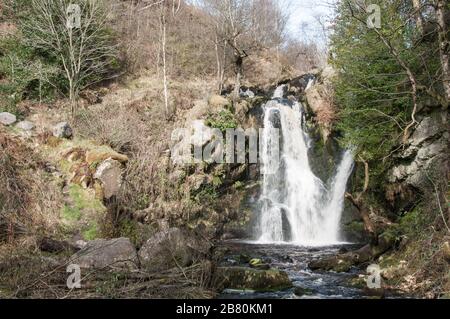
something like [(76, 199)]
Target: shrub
[(223, 120)]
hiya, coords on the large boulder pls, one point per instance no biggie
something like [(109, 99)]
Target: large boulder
[(25, 126), (335, 263), (101, 253), (251, 279), (109, 173), (172, 248), (7, 118), (62, 130)]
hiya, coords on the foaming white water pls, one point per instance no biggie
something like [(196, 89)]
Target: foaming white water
[(279, 92), (296, 205), (335, 204)]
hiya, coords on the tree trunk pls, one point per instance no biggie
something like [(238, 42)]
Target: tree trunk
[(219, 66), (364, 213), (237, 85), (444, 45), (163, 45), (72, 97), (418, 16)]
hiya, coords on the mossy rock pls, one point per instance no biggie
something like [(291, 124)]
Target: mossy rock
[(337, 264), (358, 282), (301, 291), (258, 264), (251, 279)]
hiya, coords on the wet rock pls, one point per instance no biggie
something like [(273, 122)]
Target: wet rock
[(7, 118), (109, 173), (358, 282), (62, 130), (172, 248), (287, 259), (247, 278), (25, 126), (102, 253), (375, 293), (258, 264), (335, 263), (301, 291), (244, 258)]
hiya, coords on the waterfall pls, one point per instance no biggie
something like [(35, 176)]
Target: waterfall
[(296, 205)]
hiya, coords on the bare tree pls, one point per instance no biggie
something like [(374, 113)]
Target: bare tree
[(78, 39), (242, 27)]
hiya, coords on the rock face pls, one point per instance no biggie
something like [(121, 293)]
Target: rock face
[(172, 248), (425, 158), (319, 97), (102, 253), (25, 126), (429, 140), (251, 279), (7, 118), (109, 173), (62, 130)]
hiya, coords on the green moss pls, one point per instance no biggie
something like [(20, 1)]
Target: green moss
[(223, 120), (92, 232), (71, 213), (83, 200), (217, 181), (412, 222), (83, 213), (238, 185), (128, 229), (355, 226)]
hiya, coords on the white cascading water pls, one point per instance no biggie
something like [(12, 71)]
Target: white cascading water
[(296, 205)]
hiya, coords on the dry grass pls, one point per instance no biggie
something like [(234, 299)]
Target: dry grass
[(25, 275), (132, 121), (27, 196)]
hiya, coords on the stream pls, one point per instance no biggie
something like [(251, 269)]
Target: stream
[(294, 260)]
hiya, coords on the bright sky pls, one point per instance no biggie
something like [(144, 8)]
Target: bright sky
[(305, 12)]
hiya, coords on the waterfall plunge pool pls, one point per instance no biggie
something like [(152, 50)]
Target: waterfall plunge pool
[(294, 260)]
